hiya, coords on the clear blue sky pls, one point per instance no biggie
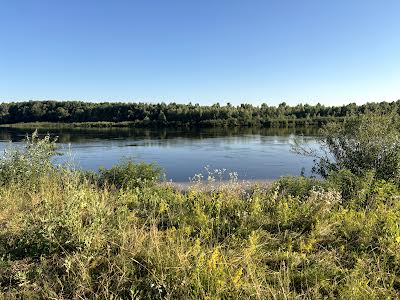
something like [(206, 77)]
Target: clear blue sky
[(202, 51)]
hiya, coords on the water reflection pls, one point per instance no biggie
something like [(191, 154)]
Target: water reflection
[(80, 135)]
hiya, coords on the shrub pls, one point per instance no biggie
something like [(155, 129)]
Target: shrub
[(367, 143), (129, 174), (29, 164), (350, 185)]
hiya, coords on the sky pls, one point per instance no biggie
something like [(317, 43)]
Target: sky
[(204, 51)]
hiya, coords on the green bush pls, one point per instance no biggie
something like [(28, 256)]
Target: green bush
[(360, 144), (28, 164), (129, 174), (360, 149), (350, 185)]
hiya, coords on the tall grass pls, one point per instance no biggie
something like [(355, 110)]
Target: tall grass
[(69, 237)]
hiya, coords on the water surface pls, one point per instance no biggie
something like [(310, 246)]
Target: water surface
[(253, 153)]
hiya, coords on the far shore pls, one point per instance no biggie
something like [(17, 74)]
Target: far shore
[(132, 124), (99, 124)]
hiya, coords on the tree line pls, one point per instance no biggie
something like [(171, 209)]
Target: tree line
[(173, 114)]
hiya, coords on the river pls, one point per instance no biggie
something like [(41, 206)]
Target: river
[(254, 153)]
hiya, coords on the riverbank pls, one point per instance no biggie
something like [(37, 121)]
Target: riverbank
[(70, 125), (63, 237), (271, 124), (209, 186)]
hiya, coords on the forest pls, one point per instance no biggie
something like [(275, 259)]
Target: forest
[(173, 114)]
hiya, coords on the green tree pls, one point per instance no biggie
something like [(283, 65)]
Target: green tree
[(162, 118)]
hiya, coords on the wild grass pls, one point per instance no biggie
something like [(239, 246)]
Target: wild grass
[(65, 236)]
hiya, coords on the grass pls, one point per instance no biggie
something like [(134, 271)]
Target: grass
[(68, 235)]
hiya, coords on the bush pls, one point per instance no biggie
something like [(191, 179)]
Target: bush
[(367, 143), (29, 164), (129, 174), (351, 185)]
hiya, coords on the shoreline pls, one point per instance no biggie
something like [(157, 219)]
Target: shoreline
[(207, 186), (132, 124)]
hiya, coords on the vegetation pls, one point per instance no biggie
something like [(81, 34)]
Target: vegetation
[(162, 115), (129, 175), (69, 235), (26, 166), (368, 143)]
